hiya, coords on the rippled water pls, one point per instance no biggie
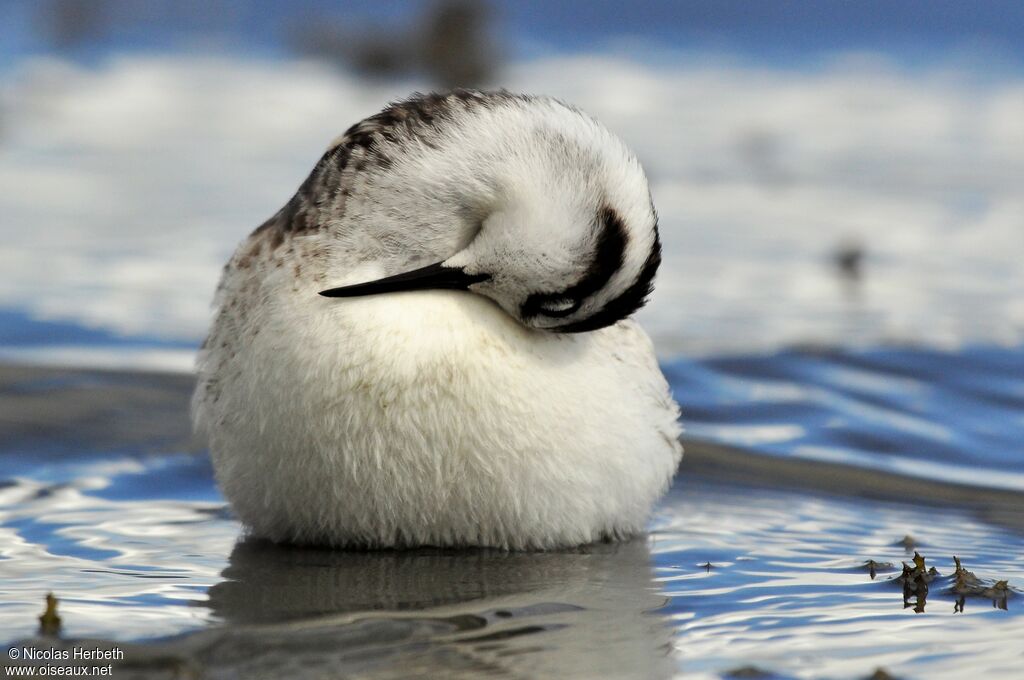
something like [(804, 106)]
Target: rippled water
[(950, 416), (756, 558), (789, 591)]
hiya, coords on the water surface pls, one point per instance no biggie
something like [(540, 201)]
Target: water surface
[(801, 467)]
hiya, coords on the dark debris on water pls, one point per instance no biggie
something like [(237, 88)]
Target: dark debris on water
[(749, 673), (908, 543), (49, 621), (965, 584), (916, 579), (874, 567), (881, 674)]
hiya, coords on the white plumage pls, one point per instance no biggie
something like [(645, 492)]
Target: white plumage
[(523, 411)]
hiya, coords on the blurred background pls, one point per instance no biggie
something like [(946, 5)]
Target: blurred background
[(840, 309), (826, 173)]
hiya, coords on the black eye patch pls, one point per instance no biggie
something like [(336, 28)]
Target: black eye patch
[(628, 302), (607, 259)]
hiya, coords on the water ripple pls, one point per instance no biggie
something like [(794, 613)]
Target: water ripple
[(736, 573), (943, 416)]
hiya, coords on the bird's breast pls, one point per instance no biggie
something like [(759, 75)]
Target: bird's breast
[(403, 340)]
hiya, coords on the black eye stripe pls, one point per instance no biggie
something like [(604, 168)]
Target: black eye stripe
[(631, 300), (608, 259)]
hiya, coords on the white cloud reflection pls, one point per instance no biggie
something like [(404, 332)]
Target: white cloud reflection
[(125, 186)]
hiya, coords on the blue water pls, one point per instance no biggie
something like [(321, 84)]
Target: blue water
[(136, 541), (950, 416), (20, 329)]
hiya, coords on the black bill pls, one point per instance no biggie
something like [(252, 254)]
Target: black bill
[(431, 277)]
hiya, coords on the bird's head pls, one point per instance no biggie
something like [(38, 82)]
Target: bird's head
[(565, 236)]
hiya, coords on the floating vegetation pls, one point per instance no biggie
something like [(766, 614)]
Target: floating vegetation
[(915, 582), (965, 584), (917, 576), (908, 542), (881, 674), (49, 622), (874, 567)]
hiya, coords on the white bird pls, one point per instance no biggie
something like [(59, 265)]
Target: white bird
[(429, 344)]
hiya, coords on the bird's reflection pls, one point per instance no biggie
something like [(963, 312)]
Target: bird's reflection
[(268, 583), (587, 610)]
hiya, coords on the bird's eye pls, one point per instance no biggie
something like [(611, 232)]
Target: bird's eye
[(555, 305), (559, 306)]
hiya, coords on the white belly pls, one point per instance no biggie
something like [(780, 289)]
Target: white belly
[(434, 418)]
